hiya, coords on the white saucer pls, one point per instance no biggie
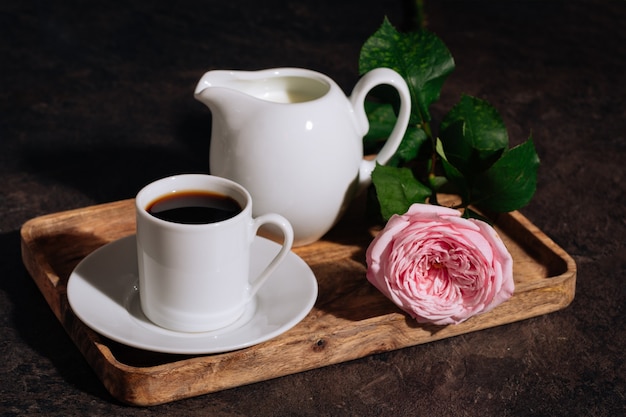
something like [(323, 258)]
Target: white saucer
[(103, 293)]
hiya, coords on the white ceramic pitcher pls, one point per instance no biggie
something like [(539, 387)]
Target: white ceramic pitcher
[(293, 139)]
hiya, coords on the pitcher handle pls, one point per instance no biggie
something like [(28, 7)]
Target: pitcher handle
[(284, 225), (357, 99)]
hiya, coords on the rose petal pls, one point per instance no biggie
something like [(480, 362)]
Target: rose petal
[(439, 267)]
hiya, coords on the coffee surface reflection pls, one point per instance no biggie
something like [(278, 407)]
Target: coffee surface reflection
[(194, 207)]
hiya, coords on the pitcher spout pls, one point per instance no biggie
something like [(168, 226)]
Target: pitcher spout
[(216, 90)]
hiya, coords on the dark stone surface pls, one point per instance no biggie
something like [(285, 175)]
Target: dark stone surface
[(96, 100)]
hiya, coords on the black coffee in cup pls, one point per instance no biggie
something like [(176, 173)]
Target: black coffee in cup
[(194, 207)]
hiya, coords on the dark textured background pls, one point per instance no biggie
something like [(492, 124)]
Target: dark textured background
[(96, 100)]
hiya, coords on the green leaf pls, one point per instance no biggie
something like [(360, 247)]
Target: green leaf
[(397, 190), (410, 146), (473, 136), (420, 57), (468, 213), (511, 181), (472, 146), (382, 119), (453, 175), (437, 182), (457, 179)]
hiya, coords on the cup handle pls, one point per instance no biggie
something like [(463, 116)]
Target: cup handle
[(284, 225), (370, 80)]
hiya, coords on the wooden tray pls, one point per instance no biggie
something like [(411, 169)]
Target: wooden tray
[(350, 320)]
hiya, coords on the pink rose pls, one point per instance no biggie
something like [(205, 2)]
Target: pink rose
[(439, 267)]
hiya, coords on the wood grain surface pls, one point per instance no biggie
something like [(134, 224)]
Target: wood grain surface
[(350, 319)]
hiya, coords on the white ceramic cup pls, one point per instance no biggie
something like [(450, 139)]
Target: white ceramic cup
[(196, 277)]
